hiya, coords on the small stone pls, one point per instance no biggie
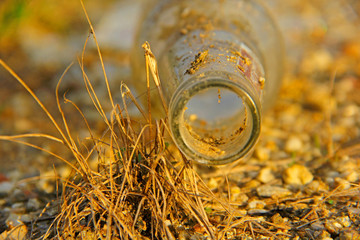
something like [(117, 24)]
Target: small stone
[(333, 226), (213, 183), (6, 187), (256, 204), (263, 154), (324, 235), (46, 185), (252, 184), (258, 212), (277, 219), (345, 221), (316, 186), (265, 175), (352, 176), (235, 193), (351, 110), (18, 208), (353, 210), (317, 226), (242, 199), (342, 184), (13, 220), (349, 234), (272, 191), (33, 204), (293, 144), (297, 175)]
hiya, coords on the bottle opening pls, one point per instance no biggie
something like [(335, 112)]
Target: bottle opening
[(214, 119), (216, 123)]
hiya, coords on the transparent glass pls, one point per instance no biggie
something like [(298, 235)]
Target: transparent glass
[(220, 64)]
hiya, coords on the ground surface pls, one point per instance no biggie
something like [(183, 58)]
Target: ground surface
[(301, 182)]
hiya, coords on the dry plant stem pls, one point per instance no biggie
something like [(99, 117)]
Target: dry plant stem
[(99, 53), (89, 87), (148, 87), (151, 64), (15, 139), (64, 137), (125, 91), (83, 164)]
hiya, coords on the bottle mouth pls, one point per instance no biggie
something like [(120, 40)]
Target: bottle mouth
[(214, 120)]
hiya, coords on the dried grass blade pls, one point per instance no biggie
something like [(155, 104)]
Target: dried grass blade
[(99, 53), (7, 68), (151, 63)]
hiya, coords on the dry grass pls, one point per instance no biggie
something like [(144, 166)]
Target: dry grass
[(142, 189), (139, 190)]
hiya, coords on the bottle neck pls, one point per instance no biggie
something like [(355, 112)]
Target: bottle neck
[(202, 52), (213, 84)]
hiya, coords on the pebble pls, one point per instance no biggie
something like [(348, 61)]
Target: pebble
[(345, 221), (6, 187), (277, 219), (13, 220), (258, 212), (324, 235), (353, 210), (242, 199), (237, 196), (252, 184), (256, 204), (349, 234), (342, 184), (265, 175), (330, 177), (352, 176), (46, 185), (263, 154), (18, 207), (333, 226), (272, 191), (213, 183), (316, 186), (297, 175), (293, 144), (317, 226), (33, 204)]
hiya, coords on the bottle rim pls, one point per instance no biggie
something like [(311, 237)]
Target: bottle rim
[(191, 88)]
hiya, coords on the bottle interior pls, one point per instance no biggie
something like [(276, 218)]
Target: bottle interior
[(217, 122)]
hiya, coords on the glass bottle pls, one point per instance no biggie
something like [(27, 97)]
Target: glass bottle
[(220, 66)]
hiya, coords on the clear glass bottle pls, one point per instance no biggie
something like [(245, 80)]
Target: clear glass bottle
[(220, 65)]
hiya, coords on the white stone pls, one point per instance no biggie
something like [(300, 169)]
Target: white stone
[(293, 144)]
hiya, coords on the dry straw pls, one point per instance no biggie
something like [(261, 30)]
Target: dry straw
[(142, 188), (139, 191)]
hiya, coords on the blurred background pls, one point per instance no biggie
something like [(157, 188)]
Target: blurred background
[(40, 38)]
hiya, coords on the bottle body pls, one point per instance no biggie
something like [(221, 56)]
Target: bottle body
[(219, 65)]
